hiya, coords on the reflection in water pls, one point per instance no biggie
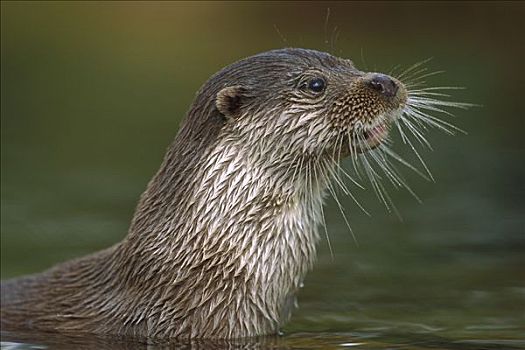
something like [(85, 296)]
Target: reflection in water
[(371, 340), (82, 342)]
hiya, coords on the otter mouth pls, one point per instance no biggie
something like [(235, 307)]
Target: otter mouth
[(371, 137), (374, 136)]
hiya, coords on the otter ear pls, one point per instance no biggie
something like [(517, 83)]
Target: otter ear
[(229, 100)]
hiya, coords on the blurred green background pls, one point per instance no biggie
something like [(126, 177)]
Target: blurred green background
[(92, 93)]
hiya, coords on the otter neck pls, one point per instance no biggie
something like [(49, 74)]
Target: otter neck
[(235, 215)]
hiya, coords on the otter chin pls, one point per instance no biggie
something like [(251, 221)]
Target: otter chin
[(227, 229)]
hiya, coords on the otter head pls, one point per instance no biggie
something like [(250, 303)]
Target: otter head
[(305, 102)]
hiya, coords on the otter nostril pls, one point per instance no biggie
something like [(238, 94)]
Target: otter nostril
[(383, 84)]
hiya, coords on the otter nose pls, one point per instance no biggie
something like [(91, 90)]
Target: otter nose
[(383, 84)]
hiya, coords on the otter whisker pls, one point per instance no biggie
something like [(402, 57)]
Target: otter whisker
[(391, 206), (322, 169), (397, 157), (391, 175), (414, 73), (414, 130), (417, 80), (417, 123), (413, 67), (418, 76), (318, 179), (423, 91), (433, 121), (354, 155), (341, 184), (434, 88), (401, 132), (420, 103), (339, 142), (394, 172), (341, 210), (392, 72), (338, 147), (373, 176), (379, 189), (323, 223), (409, 143), (436, 102), (383, 166), (427, 93), (336, 169), (348, 176), (349, 193), (418, 128), (388, 168), (330, 169)]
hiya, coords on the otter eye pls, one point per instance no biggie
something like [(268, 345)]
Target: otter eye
[(316, 84)]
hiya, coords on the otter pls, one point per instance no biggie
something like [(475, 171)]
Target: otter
[(226, 230)]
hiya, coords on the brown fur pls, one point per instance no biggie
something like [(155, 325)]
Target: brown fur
[(224, 234)]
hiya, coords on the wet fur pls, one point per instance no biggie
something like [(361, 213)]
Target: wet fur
[(226, 230)]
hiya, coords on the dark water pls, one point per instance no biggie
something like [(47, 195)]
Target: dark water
[(93, 93)]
